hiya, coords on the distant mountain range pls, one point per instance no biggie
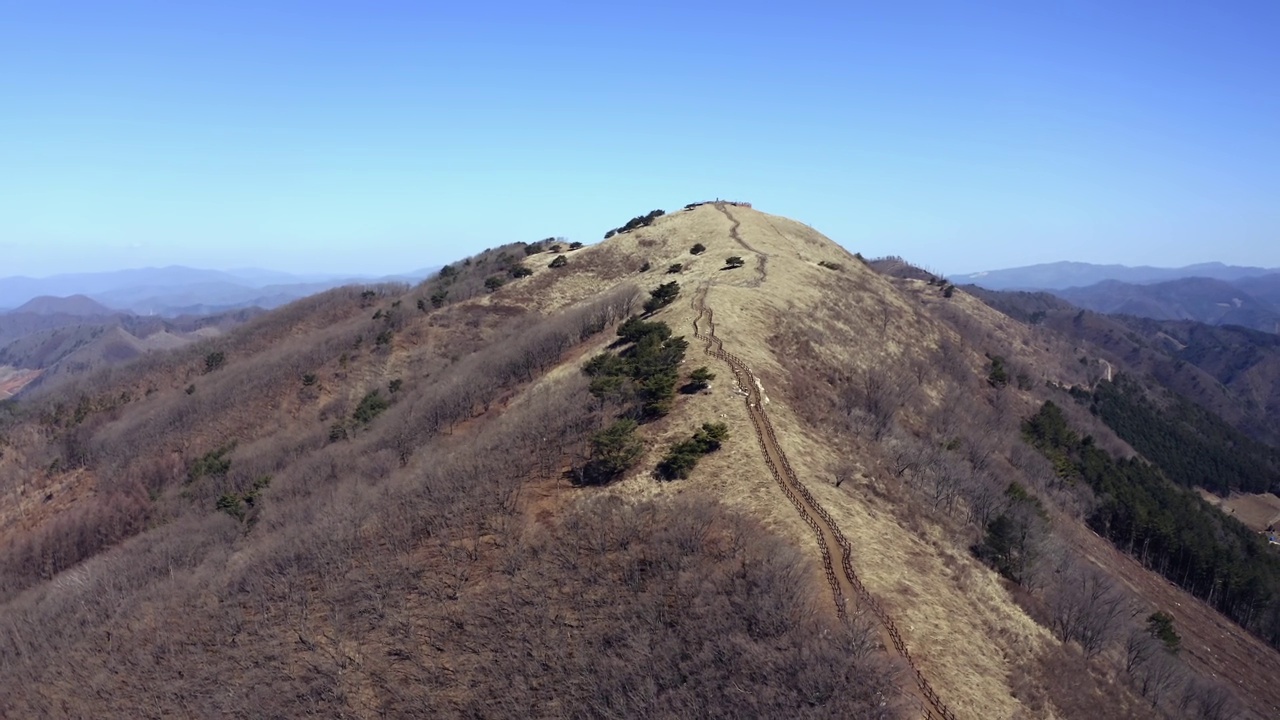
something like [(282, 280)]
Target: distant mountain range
[(1210, 293), (177, 290), (1232, 371), (69, 325), (1063, 275), (74, 305)]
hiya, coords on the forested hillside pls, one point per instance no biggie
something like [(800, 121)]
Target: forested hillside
[(1233, 372), (1192, 446), (1170, 529)]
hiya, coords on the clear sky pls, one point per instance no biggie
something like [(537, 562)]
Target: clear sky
[(384, 136)]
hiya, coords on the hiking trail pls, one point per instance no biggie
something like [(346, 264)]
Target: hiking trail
[(844, 582)]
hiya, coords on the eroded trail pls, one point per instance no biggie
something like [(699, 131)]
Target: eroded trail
[(844, 581), (762, 259)]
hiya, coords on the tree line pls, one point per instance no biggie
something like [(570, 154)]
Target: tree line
[(1170, 529), (1194, 447)]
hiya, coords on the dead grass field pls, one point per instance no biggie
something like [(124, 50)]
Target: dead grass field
[(1256, 511), (969, 636), (962, 626)]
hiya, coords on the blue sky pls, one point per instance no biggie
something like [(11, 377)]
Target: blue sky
[(378, 137)]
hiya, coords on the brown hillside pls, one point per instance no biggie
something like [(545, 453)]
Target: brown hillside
[(232, 529)]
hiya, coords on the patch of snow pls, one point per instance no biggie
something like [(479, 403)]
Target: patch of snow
[(764, 399)]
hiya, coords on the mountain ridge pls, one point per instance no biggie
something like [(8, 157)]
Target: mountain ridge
[(78, 305), (1206, 300), (1065, 274), (398, 462), (172, 289)]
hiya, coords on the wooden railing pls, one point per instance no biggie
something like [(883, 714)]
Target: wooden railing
[(807, 505)]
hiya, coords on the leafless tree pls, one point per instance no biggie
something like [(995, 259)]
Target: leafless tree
[(1156, 677), (1086, 606), (1207, 700)]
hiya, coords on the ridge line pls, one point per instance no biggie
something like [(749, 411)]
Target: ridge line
[(826, 531)]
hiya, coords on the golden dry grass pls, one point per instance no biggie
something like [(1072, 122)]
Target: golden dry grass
[(1257, 511), (963, 627)]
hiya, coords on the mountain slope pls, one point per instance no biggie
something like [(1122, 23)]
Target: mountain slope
[(1265, 288), (1233, 372), (70, 349), (1205, 300), (369, 489), (77, 305)]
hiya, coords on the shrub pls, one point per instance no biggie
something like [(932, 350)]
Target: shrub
[(383, 339), (237, 505), (337, 431), (231, 504), (214, 463), (309, 379), (998, 376), (684, 455), (254, 496), (698, 249), (493, 282), (613, 451), (662, 296), (675, 268), (633, 330), (699, 380), (559, 262), (519, 271), (948, 291), (734, 261), (711, 437), (214, 360), (831, 266), (638, 221), (643, 377), (1160, 625), (438, 297), (370, 407), (191, 388), (394, 386), (645, 266), (678, 463), (532, 248), (575, 245)]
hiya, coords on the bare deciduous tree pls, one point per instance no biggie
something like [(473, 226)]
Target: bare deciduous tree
[(1086, 606)]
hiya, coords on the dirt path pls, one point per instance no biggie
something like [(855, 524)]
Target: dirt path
[(844, 581), (762, 259)]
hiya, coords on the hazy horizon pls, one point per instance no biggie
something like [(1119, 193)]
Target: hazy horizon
[(340, 140), (240, 270), (332, 275)]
